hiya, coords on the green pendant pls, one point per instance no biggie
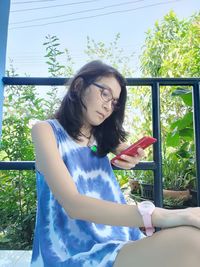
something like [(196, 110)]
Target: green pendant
[(94, 148)]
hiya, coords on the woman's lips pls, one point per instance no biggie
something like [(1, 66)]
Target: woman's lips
[(101, 115)]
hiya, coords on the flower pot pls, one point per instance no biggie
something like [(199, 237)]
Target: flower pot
[(183, 195)]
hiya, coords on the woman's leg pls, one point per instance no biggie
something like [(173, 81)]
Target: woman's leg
[(174, 247)]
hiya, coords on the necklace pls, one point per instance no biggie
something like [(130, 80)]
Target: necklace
[(88, 137), (91, 142)]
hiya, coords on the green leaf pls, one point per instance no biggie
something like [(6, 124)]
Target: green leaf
[(180, 91), (185, 94), (183, 153), (187, 132), (184, 122), (49, 63), (172, 139), (187, 99)]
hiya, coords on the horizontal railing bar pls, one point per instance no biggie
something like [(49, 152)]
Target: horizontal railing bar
[(34, 81), (130, 81), (17, 165), (30, 165), (162, 81), (143, 165)]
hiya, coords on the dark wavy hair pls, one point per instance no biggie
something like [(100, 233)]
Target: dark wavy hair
[(108, 134)]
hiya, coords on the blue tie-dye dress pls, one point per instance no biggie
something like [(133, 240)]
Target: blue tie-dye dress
[(62, 241)]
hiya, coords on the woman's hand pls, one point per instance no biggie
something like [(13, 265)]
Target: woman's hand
[(129, 162)]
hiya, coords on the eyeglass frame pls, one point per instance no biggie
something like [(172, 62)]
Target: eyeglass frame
[(112, 99)]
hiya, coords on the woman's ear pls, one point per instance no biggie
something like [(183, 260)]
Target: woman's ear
[(78, 84)]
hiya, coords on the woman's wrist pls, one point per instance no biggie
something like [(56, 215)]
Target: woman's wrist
[(164, 218)]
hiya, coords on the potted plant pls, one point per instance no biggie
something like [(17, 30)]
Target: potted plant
[(178, 179), (179, 145)]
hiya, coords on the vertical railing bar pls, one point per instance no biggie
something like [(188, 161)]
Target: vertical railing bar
[(196, 118), (4, 18), (157, 154)]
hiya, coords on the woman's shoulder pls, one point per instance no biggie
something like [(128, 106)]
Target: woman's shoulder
[(41, 126), (49, 129), (42, 133)]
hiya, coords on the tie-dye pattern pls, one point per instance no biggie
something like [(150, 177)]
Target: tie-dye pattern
[(62, 241)]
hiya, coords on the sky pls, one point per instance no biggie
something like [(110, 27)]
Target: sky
[(73, 20)]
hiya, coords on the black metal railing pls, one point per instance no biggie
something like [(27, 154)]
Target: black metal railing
[(154, 83)]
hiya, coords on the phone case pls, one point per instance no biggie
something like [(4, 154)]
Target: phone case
[(144, 142)]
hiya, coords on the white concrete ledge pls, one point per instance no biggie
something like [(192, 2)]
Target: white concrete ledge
[(15, 258)]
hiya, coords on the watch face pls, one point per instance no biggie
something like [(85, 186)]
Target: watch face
[(147, 204), (146, 207)]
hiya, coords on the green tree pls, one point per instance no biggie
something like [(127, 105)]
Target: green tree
[(112, 53), (172, 49), (18, 189), (53, 56)]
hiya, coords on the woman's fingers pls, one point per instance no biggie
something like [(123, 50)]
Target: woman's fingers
[(129, 162), (123, 164), (141, 153)]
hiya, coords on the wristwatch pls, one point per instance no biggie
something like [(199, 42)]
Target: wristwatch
[(146, 209)]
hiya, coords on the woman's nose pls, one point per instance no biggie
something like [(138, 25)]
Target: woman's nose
[(108, 105)]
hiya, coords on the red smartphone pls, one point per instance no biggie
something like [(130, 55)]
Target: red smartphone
[(144, 142)]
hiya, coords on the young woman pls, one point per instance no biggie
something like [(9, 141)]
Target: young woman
[(82, 216)]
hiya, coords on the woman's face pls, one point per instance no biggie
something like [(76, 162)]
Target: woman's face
[(100, 99)]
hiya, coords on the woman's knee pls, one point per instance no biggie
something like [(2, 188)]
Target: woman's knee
[(191, 245), (192, 238), (170, 247)]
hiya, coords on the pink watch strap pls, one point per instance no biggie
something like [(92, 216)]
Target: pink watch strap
[(146, 209), (148, 225), (150, 231)]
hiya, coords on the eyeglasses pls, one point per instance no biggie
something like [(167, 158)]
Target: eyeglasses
[(107, 96)]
